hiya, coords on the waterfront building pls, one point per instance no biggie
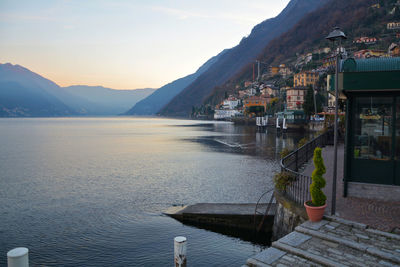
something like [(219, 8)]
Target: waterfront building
[(372, 147), (295, 98), (305, 78), (256, 101), (220, 114)]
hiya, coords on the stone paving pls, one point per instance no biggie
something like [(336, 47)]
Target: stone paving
[(331, 242), (383, 215)]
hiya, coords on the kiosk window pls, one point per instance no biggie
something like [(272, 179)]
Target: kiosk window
[(373, 128)]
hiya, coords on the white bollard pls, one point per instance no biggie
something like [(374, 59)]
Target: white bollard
[(180, 251), (18, 257)]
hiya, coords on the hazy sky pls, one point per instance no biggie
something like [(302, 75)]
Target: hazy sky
[(123, 44)]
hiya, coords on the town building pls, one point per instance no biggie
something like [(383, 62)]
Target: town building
[(270, 91), (368, 53), (305, 79), (231, 102), (365, 40), (394, 50), (220, 114), (247, 84), (372, 146), (273, 70), (393, 26), (256, 101), (251, 91), (329, 61), (284, 71), (295, 98)]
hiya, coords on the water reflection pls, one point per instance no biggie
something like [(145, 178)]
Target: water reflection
[(230, 138)]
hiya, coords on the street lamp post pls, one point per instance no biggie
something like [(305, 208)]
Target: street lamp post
[(336, 34)]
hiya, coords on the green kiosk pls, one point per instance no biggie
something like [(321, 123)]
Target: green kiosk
[(372, 146)]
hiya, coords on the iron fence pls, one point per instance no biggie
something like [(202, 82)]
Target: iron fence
[(299, 189)]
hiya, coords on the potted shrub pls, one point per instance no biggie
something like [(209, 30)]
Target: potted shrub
[(316, 207)]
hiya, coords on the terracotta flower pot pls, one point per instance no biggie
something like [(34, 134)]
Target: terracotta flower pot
[(315, 214)]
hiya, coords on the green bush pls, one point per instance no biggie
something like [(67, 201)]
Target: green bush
[(285, 152), (317, 196), (302, 142), (282, 180)]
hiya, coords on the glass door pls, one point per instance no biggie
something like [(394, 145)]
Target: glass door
[(372, 159)]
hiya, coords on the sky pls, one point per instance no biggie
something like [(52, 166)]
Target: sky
[(124, 44)]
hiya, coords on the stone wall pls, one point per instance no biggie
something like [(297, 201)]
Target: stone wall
[(288, 215)]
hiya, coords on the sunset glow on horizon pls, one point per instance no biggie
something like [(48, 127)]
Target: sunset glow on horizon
[(123, 44)]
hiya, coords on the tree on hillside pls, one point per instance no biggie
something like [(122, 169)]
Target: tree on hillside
[(308, 105)]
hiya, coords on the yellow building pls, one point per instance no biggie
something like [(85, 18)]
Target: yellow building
[(304, 79), (274, 70)]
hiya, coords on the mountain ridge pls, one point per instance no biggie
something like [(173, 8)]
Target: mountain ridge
[(161, 97), (235, 58)]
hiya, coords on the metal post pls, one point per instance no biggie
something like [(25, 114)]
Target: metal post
[(315, 101), (180, 251), (333, 207), (18, 257)]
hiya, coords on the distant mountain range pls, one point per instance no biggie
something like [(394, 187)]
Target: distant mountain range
[(162, 96), (24, 93), (234, 59), (113, 101)]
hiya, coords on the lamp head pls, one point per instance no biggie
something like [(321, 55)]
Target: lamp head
[(336, 34)]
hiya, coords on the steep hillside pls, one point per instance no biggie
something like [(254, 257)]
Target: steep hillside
[(355, 17), (19, 101), (153, 103), (109, 101), (234, 59), (24, 93)]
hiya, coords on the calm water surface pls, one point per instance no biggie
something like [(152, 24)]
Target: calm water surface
[(91, 191)]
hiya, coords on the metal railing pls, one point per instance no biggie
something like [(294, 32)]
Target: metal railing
[(299, 189)]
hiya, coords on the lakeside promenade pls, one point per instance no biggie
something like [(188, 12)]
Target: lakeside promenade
[(363, 232), (382, 215)]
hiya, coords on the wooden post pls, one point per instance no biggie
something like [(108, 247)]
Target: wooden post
[(18, 257), (180, 251)]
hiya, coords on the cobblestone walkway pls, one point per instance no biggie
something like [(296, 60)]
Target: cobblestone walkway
[(331, 242), (383, 215)]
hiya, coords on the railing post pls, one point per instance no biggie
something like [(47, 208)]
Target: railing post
[(297, 160)]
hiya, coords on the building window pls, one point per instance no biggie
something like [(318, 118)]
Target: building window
[(373, 128)]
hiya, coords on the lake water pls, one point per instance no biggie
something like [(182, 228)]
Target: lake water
[(91, 191)]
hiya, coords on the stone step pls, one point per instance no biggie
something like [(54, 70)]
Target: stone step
[(373, 242), (276, 257), (332, 242)]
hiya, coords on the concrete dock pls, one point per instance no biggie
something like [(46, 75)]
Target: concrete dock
[(240, 216)]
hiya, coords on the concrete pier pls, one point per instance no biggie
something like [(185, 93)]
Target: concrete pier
[(239, 216)]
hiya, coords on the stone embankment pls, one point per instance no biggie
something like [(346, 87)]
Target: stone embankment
[(331, 242)]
